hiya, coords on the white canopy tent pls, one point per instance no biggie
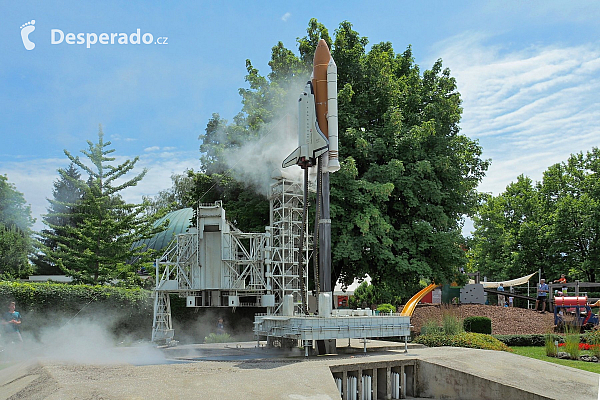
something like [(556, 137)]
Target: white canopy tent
[(513, 282), (349, 291)]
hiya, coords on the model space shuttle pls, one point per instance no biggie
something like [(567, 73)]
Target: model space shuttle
[(317, 115)]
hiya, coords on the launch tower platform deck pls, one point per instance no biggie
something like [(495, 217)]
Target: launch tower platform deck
[(309, 328)]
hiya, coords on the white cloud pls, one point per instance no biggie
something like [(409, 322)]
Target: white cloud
[(159, 173), (529, 107), (153, 148), (286, 16)]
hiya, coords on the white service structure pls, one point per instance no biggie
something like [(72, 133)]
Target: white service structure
[(216, 265)]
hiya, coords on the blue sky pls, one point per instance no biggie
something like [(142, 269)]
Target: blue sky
[(528, 72)]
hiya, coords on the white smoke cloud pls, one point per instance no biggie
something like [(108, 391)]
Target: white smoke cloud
[(82, 341), (256, 162)]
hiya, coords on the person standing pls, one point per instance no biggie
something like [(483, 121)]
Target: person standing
[(501, 299), (11, 320), (220, 326), (542, 295)]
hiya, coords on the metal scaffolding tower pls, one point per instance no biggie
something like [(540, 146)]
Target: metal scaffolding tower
[(216, 265), (286, 204)]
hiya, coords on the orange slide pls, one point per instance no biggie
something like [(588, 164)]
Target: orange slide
[(409, 308)]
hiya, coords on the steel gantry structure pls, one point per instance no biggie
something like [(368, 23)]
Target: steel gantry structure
[(214, 264)]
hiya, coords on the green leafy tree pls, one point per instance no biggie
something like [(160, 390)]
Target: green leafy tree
[(571, 193), (98, 248), (15, 232), (512, 233), (552, 225), (408, 176), (366, 295), (14, 250)]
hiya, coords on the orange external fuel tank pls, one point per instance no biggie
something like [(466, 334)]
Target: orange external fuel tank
[(319, 82)]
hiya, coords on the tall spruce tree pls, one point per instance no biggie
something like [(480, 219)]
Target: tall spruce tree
[(61, 214), (98, 247)]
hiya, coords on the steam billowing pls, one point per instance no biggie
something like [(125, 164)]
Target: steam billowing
[(257, 161)]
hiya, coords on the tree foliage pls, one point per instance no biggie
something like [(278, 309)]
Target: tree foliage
[(98, 248), (366, 295), (512, 232), (246, 209), (408, 175), (552, 225), (15, 231), (66, 196)]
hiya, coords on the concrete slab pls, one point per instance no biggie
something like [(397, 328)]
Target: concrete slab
[(257, 373), (539, 378), (200, 380)]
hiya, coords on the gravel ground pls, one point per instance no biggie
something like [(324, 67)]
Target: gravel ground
[(505, 320)]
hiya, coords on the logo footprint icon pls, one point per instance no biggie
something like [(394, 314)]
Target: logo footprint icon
[(26, 29)]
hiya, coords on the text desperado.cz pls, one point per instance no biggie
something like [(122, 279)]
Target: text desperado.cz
[(57, 37)]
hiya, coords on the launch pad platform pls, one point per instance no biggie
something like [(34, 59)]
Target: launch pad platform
[(309, 328)]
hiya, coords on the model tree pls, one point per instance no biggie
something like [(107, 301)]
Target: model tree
[(98, 247)]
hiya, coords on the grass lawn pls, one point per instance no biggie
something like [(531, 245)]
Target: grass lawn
[(540, 354)]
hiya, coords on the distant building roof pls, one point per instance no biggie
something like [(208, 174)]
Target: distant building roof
[(53, 278), (339, 288), (179, 222)]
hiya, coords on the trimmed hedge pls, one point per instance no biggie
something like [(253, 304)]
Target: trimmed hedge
[(478, 325), (527, 340), (465, 339), (127, 313), (124, 311)]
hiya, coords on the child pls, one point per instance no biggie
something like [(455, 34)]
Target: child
[(11, 321)]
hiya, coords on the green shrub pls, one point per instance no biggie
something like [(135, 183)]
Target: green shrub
[(386, 308), (551, 350), (431, 327), (591, 337), (451, 324), (463, 339), (527, 340), (217, 338), (478, 325), (572, 342)]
